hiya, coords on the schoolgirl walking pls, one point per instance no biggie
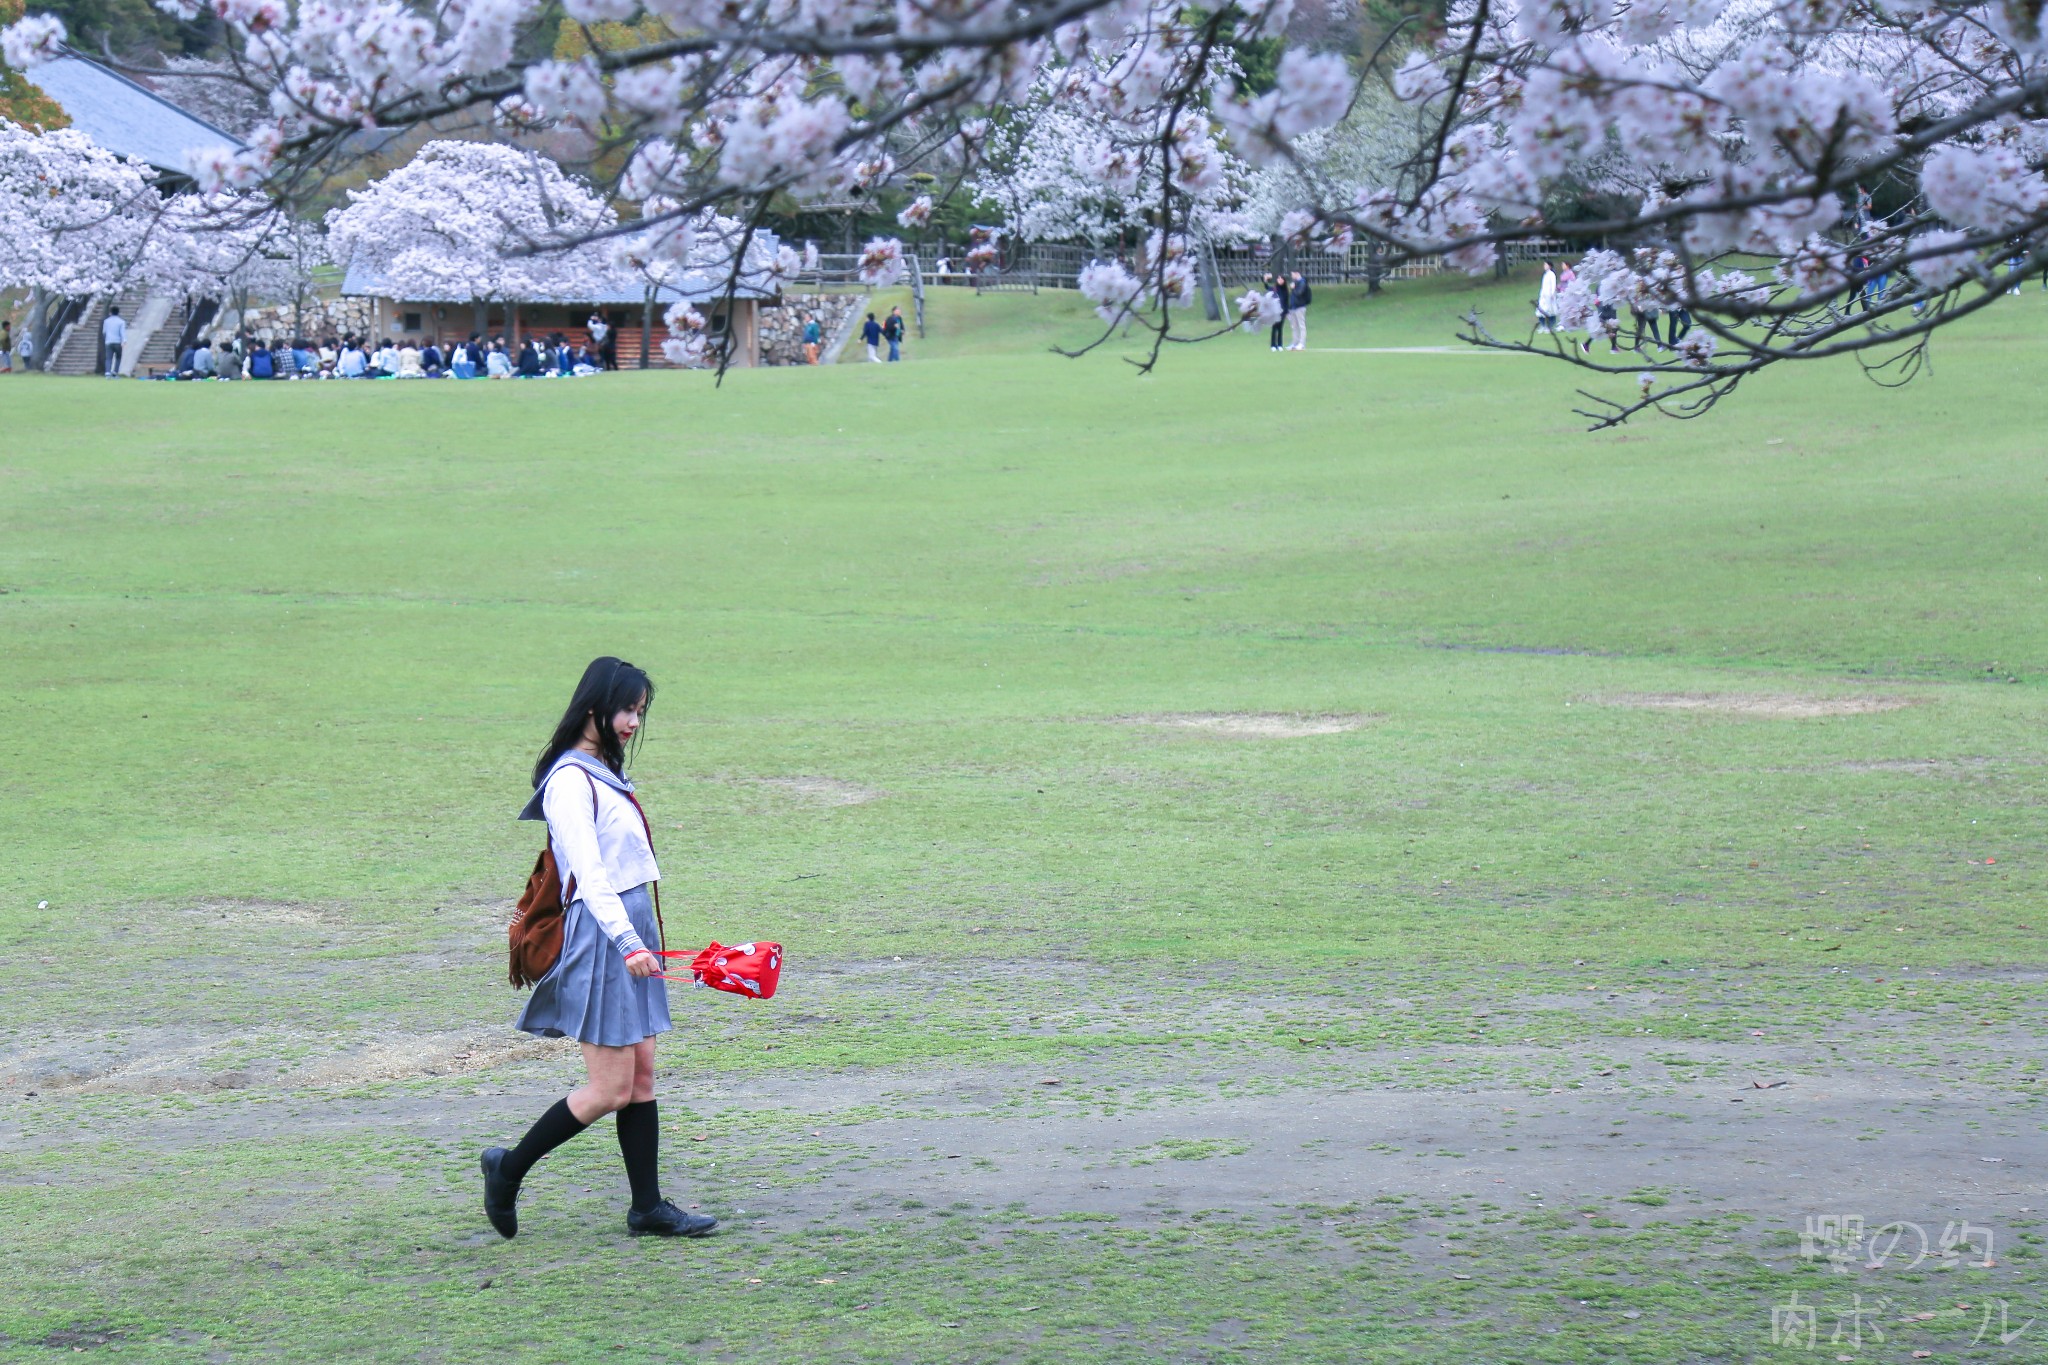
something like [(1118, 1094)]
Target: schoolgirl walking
[(605, 989)]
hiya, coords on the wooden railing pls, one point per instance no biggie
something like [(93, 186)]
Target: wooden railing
[(1054, 265)]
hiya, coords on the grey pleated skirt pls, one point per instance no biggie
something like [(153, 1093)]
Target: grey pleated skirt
[(590, 996)]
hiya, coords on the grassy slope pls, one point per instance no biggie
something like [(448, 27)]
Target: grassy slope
[(298, 643)]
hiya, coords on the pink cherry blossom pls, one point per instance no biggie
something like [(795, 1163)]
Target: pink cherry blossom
[(1940, 268), (881, 262)]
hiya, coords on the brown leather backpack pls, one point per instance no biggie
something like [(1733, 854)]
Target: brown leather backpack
[(535, 933)]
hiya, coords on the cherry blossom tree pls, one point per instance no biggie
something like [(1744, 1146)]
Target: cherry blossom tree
[(1726, 143), (1365, 149), (76, 219), (80, 221), (1061, 172), (1736, 145), (477, 221), (233, 248)]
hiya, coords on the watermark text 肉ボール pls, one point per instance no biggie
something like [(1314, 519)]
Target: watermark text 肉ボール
[(1846, 1243), (1861, 1322)]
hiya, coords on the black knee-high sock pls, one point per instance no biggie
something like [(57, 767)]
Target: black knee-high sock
[(549, 1131), (640, 1144)]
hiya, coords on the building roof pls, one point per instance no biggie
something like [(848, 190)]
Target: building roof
[(125, 118), (695, 286)]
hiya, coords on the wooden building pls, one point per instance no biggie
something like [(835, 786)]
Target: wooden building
[(635, 316)]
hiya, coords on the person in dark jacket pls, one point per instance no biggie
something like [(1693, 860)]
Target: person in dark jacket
[(261, 366), (1298, 298), (893, 329), (529, 360), (871, 335)]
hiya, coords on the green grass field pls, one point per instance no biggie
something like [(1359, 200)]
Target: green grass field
[(1294, 857)]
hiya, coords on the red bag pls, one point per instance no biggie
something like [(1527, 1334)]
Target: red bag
[(749, 969)]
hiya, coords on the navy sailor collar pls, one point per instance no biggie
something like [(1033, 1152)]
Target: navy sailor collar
[(578, 759)]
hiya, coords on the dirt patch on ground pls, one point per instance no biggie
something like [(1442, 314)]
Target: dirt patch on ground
[(1254, 724), (1723, 1145), (1769, 705), (821, 791), (159, 1066), (266, 912), (443, 1054)]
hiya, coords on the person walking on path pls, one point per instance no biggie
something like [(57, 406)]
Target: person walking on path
[(871, 336), (1298, 301), (1546, 300), (113, 332), (814, 336), (892, 329), (605, 989)]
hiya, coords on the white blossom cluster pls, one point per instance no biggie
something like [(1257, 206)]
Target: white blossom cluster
[(78, 220), (479, 221)]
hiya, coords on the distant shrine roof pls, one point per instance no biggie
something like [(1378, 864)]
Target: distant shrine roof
[(126, 118)]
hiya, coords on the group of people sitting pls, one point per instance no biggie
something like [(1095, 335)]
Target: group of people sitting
[(250, 357)]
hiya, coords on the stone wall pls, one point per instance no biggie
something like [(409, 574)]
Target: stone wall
[(782, 329), (323, 318)]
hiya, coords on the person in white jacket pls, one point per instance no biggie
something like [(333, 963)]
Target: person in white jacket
[(1546, 300), (606, 989)]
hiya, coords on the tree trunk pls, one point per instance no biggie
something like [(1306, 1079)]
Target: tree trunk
[(646, 326), (38, 344), (1212, 284)]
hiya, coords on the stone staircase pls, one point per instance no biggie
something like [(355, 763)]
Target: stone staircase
[(78, 351), (160, 348)]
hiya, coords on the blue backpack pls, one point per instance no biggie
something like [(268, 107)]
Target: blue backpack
[(260, 366)]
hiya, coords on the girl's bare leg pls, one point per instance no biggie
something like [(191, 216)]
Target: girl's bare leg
[(612, 1072)]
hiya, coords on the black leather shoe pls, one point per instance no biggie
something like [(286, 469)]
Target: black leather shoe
[(500, 1194), (666, 1220)]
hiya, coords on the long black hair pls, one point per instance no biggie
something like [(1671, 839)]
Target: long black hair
[(609, 686)]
